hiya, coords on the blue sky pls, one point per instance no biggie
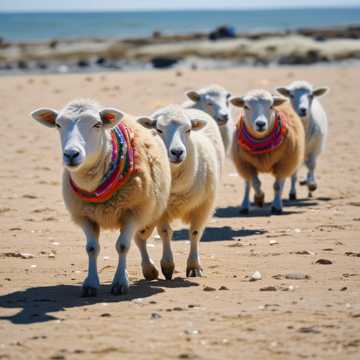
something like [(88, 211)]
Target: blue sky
[(48, 5)]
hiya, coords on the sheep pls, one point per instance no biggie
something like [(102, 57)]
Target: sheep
[(214, 100), (116, 176), (196, 154), (304, 100), (269, 138)]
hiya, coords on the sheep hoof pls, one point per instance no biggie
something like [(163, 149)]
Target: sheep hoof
[(310, 195), (194, 272), (119, 289), (292, 197), (259, 200), (167, 269), (150, 272), (312, 187), (244, 211), (88, 291), (276, 211)]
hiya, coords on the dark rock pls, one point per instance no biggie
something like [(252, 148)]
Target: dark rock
[(163, 62), (83, 63), (23, 65), (100, 61), (323, 262)]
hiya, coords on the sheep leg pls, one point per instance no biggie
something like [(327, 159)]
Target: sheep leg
[(292, 193), (310, 163), (277, 203), (259, 197), (245, 205), (167, 259), (120, 284), (91, 283), (149, 270), (197, 226)]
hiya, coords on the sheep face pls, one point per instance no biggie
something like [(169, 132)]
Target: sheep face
[(82, 134), (258, 110), (301, 95), (214, 100), (174, 127)]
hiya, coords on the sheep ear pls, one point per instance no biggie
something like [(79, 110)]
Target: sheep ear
[(193, 95), (238, 101), (278, 100), (283, 91), (197, 124), (110, 117), (146, 122), (46, 117), (321, 91)]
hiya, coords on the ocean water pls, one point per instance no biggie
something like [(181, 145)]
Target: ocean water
[(45, 26)]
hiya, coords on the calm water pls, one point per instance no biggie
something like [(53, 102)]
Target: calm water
[(43, 26)]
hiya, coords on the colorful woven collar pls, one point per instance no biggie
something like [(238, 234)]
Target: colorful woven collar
[(122, 166), (264, 145)]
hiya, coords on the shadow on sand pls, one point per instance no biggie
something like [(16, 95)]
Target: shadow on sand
[(38, 303)]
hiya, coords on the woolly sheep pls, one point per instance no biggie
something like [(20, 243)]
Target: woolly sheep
[(86, 132), (196, 155), (281, 155), (304, 100), (214, 100)]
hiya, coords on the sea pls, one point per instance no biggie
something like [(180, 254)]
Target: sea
[(26, 27)]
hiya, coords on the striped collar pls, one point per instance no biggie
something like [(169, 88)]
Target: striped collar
[(264, 145), (121, 167)]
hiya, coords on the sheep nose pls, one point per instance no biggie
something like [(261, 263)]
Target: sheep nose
[(177, 152), (71, 154), (224, 118), (302, 112), (260, 125)]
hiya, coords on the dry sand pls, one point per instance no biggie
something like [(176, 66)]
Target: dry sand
[(41, 313)]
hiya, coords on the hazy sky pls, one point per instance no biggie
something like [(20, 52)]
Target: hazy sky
[(48, 5)]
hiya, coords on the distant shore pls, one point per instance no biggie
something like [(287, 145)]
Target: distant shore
[(299, 47)]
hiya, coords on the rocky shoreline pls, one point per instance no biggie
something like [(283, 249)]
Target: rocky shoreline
[(197, 50)]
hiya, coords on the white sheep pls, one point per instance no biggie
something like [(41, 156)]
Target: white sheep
[(214, 100), (269, 138), (116, 176), (196, 155), (304, 100)]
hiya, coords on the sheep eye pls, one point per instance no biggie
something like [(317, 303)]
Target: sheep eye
[(97, 125), (246, 107), (159, 131), (188, 131), (57, 125)]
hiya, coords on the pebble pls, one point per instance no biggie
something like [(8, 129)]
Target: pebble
[(105, 315), (323, 262), (297, 276), (268, 288), (155, 316), (273, 242), (309, 330), (223, 288), (255, 276), (209, 288)]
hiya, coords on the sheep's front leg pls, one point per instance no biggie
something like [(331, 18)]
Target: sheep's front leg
[(167, 259), (149, 270), (311, 180), (91, 283), (259, 197), (292, 193), (120, 284), (245, 205), (277, 203)]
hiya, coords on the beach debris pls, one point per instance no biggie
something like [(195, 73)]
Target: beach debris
[(17, 255), (297, 276), (255, 276), (323, 262)]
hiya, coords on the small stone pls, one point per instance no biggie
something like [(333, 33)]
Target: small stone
[(323, 262), (273, 242), (178, 308), (223, 288), (343, 288), (209, 288), (255, 276), (155, 316), (268, 288), (309, 330), (297, 276), (105, 315)]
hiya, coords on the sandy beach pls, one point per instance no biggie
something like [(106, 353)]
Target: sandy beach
[(220, 316)]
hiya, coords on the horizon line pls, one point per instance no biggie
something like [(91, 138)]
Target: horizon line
[(295, 7)]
